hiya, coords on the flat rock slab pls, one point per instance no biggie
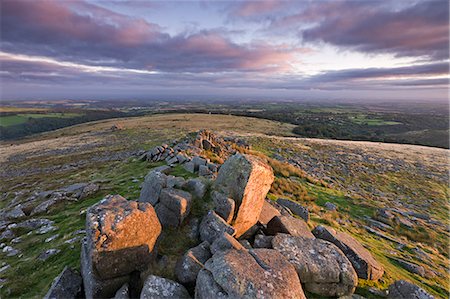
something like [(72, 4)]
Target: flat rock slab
[(362, 260), (402, 289), (121, 235), (322, 267), (288, 225), (259, 273), (246, 179), (294, 207)]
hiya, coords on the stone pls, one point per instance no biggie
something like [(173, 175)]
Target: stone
[(212, 167), (181, 158), (123, 292), (48, 253), (294, 207), (198, 161), (89, 190), (405, 223), (204, 171), (172, 160), (223, 206), (44, 206), (175, 182), (95, 287), (154, 182), (207, 288), (246, 179), (288, 225), (167, 217), (402, 289), (121, 235), (68, 285), (258, 273), (189, 166), (177, 201), (188, 266), (15, 213), (262, 241), (362, 260), (197, 187), (212, 227), (322, 267), (246, 244), (161, 288), (267, 213), (225, 242), (10, 251), (330, 206), (411, 267)]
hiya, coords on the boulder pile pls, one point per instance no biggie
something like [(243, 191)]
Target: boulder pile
[(246, 246)]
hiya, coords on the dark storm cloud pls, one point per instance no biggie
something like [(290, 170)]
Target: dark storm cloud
[(85, 33), (418, 30)]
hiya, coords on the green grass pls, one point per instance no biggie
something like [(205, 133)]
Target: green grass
[(18, 119)]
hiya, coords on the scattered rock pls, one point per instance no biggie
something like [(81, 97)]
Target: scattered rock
[(322, 268), (405, 290), (294, 207), (191, 263), (10, 251), (411, 267), (260, 273), (330, 206), (288, 225), (66, 285), (213, 226), (161, 288), (246, 179), (15, 213), (48, 253), (362, 260)]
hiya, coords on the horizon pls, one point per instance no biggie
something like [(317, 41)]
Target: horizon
[(355, 51)]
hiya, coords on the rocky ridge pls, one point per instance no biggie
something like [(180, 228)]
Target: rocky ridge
[(247, 246)]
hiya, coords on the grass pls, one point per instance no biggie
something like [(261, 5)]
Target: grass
[(18, 119)]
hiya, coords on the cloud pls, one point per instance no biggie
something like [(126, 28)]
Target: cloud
[(420, 29), (85, 33), (256, 8)]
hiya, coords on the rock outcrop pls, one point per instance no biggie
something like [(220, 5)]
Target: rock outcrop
[(246, 179), (213, 226), (260, 273), (322, 267), (153, 184), (362, 260), (121, 238)]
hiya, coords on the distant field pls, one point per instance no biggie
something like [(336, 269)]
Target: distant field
[(20, 109), (18, 119), (362, 119)]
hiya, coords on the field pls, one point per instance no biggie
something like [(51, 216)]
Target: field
[(21, 118), (358, 177)]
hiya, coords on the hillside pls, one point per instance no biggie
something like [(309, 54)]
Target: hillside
[(391, 198)]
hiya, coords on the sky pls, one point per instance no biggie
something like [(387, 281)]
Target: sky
[(300, 50)]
